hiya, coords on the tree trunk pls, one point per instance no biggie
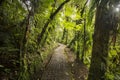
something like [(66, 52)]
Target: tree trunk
[(66, 41), (100, 45), (63, 36), (84, 42), (78, 52)]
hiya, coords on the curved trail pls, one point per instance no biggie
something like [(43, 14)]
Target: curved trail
[(58, 68)]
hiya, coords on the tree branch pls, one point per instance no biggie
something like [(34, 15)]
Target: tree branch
[(40, 36), (83, 9)]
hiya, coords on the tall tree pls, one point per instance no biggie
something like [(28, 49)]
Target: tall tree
[(102, 29)]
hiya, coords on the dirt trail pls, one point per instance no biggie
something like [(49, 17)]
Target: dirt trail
[(58, 68)]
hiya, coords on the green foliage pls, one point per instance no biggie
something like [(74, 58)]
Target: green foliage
[(113, 64), (73, 25)]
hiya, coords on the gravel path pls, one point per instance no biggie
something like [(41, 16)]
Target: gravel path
[(58, 68)]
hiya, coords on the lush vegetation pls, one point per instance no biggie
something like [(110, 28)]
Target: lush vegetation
[(31, 29)]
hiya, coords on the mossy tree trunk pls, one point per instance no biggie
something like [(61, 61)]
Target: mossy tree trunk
[(100, 44)]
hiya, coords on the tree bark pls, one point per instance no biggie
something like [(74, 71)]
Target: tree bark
[(100, 45), (84, 42)]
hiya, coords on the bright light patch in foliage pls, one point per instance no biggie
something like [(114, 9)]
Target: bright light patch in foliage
[(28, 2), (119, 5), (117, 9), (60, 19), (73, 16), (88, 3)]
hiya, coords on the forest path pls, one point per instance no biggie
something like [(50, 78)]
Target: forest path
[(58, 67)]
